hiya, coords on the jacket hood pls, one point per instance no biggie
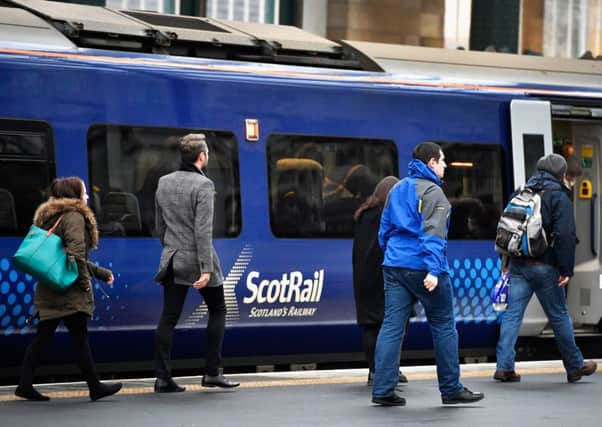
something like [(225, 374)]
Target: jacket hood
[(417, 169), (542, 180), (56, 206)]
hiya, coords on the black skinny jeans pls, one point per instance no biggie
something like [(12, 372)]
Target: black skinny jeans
[(173, 301), (77, 325)]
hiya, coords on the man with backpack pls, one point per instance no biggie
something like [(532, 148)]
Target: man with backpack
[(540, 265)]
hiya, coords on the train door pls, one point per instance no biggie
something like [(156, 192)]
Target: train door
[(577, 132), (531, 128)]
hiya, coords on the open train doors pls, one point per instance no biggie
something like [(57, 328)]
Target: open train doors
[(577, 132), (540, 128), (531, 126)]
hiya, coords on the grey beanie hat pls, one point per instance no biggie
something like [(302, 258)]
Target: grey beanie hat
[(552, 163)]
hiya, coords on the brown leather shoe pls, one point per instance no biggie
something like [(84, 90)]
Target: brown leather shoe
[(506, 376), (589, 367)]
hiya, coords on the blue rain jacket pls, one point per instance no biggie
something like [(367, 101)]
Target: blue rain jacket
[(415, 222)]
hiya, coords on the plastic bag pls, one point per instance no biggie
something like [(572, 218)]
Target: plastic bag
[(499, 294)]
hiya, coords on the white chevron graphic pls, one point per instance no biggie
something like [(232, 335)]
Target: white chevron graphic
[(230, 282)]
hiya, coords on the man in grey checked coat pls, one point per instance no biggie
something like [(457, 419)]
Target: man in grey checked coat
[(184, 220)]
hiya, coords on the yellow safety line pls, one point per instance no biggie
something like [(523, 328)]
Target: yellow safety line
[(133, 390)]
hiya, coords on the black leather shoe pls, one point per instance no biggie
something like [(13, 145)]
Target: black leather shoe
[(218, 381), (464, 396), (30, 393), (103, 390), (506, 376), (392, 400), (167, 386)]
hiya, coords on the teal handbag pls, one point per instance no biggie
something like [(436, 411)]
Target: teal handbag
[(43, 256)]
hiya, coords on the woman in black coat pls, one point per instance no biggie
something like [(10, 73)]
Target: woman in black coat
[(368, 282)]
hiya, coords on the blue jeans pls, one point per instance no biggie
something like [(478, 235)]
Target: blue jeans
[(543, 280), (402, 288)]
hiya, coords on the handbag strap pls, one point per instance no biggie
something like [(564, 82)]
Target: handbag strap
[(56, 224)]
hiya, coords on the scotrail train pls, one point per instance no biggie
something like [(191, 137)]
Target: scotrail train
[(300, 128)]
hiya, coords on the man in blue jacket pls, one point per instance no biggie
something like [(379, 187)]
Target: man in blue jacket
[(413, 233), (546, 276)]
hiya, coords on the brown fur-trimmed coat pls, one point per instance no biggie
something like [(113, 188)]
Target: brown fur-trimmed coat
[(79, 233)]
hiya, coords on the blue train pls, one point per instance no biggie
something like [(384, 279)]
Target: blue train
[(300, 129)]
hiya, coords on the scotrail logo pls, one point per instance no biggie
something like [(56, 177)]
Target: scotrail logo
[(288, 295), (292, 287)]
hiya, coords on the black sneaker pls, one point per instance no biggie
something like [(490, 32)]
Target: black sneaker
[(464, 396), (391, 400)]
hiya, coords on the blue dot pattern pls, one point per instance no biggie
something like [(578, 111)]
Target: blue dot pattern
[(472, 280), (16, 293), (16, 296)]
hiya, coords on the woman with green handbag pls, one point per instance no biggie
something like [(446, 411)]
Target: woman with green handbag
[(75, 224)]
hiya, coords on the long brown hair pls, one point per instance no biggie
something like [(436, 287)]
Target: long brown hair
[(71, 187), (378, 198)]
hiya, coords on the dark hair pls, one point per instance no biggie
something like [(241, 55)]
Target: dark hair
[(359, 181), (311, 150), (191, 146), (573, 167), (379, 197), (71, 187), (426, 151)]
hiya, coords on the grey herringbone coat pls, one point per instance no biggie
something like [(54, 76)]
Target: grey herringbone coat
[(184, 221)]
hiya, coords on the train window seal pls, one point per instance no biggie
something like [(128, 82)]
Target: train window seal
[(155, 155), (24, 127), (21, 197), (340, 171), (474, 212)]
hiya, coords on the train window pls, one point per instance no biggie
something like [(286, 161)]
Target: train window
[(474, 186), (26, 169), (126, 162), (317, 183)]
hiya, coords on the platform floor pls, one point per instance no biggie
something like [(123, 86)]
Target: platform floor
[(325, 398)]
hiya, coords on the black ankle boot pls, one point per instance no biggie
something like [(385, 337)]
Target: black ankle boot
[(103, 390), (30, 393)]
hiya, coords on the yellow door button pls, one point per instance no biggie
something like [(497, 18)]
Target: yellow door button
[(585, 189)]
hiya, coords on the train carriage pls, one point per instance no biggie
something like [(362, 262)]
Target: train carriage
[(299, 129)]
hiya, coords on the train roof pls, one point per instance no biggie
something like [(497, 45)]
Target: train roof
[(472, 65), (165, 34), (134, 38)]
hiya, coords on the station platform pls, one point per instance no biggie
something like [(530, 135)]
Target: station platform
[(329, 398)]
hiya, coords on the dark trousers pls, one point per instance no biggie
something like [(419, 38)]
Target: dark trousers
[(173, 301), (369, 337), (77, 325)]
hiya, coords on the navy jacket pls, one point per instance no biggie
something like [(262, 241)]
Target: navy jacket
[(558, 222)]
